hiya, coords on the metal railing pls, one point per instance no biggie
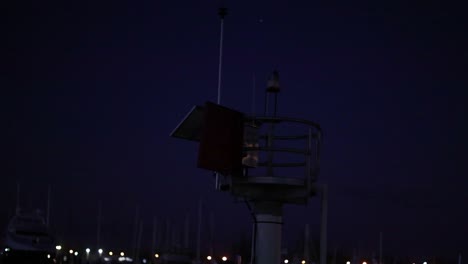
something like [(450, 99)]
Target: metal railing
[(311, 152)]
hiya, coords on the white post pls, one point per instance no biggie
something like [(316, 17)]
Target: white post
[(323, 225), (459, 258), (268, 238)]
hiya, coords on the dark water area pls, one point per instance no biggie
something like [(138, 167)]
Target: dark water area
[(26, 258)]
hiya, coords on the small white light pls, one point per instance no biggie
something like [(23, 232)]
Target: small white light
[(122, 254), (58, 247), (364, 262), (144, 260), (7, 249), (156, 255), (303, 262), (208, 258), (76, 253), (48, 256), (111, 253), (224, 258), (71, 251), (348, 262), (286, 261), (424, 262), (100, 251), (88, 250)]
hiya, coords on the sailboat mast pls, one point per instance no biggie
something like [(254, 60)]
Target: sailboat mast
[(153, 241), (48, 206), (17, 198), (198, 260), (306, 243), (187, 231), (98, 230), (380, 247), (211, 234)]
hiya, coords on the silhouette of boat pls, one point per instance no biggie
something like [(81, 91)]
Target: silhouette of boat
[(28, 238)]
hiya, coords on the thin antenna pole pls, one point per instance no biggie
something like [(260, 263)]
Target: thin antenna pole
[(48, 206), (222, 13)]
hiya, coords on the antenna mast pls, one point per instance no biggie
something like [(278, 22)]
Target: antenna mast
[(222, 13)]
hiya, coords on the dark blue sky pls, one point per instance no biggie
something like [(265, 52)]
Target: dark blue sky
[(91, 91)]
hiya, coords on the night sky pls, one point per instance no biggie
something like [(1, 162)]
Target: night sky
[(91, 91)]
